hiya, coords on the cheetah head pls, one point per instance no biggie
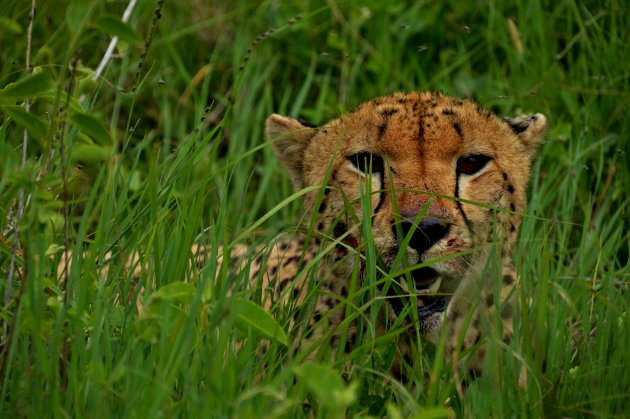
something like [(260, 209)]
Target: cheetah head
[(442, 178)]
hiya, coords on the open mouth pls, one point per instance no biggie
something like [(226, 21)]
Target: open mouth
[(427, 283), (423, 278)]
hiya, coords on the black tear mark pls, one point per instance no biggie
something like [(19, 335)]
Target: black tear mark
[(448, 111), (381, 197), (508, 279), (306, 123), (458, 129), (460, 207)]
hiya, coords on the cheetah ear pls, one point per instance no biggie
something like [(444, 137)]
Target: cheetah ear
[(530, 129), (289, 138)]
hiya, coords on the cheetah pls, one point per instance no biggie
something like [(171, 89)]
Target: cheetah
[(438, 181), (445, 181)]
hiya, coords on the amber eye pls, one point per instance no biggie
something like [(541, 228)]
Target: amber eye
[(470, 165), (363, 162)]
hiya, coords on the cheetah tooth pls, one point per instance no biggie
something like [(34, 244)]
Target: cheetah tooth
[(433, 289)]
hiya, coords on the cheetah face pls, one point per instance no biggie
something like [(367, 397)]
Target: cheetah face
[(441, 178)]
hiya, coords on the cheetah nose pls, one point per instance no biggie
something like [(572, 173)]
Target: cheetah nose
[(429, 231)]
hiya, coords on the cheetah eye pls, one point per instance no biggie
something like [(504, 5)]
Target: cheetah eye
[(470, 165), (365, 161)]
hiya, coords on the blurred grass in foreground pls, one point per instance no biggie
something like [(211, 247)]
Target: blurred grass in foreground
[(167, 149)]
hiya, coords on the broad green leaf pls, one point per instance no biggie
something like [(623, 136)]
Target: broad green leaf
[(175, 292), (92, 127), (87, 85), (165, 311), (27, 87), (51, 97), (327, 385), (116, 27), (255, 319), (89, 153), (9, 26), (36, 126)]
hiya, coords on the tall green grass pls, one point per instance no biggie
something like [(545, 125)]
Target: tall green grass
[(168, 150)]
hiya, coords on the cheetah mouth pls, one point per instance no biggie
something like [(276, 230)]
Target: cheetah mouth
[(424, 278), (427, 282)]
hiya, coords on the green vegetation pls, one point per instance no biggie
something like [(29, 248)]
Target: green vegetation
[(166, 148)]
